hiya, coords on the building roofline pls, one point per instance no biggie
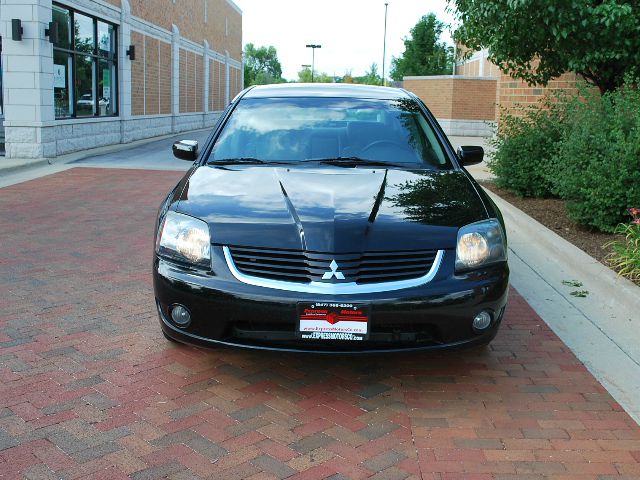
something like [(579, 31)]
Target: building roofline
[(233, 5)]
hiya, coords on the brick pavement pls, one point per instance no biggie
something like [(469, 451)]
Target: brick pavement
[(90, 388)]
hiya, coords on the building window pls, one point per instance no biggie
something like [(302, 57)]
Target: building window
[(85, 65)]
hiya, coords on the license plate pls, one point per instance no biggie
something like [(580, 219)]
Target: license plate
[(333, 321)]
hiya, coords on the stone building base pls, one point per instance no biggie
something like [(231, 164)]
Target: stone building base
[(50, 140)]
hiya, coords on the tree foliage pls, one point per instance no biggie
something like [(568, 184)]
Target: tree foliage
[(304, 76), (261, 65), (371, 77), (539, 40), (424, 53)]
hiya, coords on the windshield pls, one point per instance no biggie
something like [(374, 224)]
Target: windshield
[(330, 129)]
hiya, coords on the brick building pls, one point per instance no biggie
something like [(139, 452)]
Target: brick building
[(88, 73), (469, 103)]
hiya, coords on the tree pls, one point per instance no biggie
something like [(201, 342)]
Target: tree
[(539, 40), (424, 53), (371, 77), (261, 65), (304, 76)]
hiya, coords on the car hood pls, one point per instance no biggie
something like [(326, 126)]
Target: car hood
[(332, 209)]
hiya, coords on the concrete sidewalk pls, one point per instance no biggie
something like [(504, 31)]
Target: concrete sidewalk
[(150, 153), (603, 328)]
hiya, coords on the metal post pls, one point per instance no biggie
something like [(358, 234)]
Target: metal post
[(384, 45), (313, 47)]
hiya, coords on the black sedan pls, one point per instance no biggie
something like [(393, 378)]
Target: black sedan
[(329, 218)]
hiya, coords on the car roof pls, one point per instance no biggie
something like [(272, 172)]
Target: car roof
[(347, 90)]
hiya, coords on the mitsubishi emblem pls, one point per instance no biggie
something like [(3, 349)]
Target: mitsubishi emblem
[(333, 273)]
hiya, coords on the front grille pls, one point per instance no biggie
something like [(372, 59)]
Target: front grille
[(304, 267)]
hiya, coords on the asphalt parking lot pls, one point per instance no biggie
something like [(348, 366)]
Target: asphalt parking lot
[(91, 389)]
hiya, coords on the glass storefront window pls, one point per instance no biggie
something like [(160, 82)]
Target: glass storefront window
[(85, 94), (106, 92), (85, 65), (62, 88), (62, 16), (84, 40), (106, 39)]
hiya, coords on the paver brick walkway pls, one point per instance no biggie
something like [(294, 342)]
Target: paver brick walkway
[(90, 387)]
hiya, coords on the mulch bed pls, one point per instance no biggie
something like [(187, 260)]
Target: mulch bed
[(551, 212)]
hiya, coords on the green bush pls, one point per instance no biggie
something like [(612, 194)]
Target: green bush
[(596, 166), (625, 254), (524, 147)]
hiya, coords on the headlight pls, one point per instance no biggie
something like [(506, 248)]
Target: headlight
[(480, 244), (185, 239)]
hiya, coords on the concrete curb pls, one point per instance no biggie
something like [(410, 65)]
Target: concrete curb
[(8, 167), (602, 329)]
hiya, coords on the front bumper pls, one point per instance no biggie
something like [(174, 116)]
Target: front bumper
[(225, 311)]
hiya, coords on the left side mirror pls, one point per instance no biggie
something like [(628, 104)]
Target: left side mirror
[(470, 155), (186, 150)]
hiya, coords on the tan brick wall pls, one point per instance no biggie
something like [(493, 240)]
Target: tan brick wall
[(513, 93), (472, 69), (191, 82), (216, 85), (222, 29), (198, 84), (165, 77), (437, 94), (234, 82), (151, 79), (137, 76), (150, 76), (456, 98)]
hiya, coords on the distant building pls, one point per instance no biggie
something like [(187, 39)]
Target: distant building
[(89, 73)]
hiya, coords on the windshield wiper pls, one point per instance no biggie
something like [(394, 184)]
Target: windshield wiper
[(243, 161), (353, 161)]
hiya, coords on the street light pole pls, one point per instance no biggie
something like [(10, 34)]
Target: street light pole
[(313, 46), (384, 44)]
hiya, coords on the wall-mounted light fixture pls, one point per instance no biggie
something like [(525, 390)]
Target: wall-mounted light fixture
[(131, 51), (16, 29), (52, 32)]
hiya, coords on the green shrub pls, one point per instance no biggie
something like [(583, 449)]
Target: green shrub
[(524, 147), (596, 166), (625, 254)]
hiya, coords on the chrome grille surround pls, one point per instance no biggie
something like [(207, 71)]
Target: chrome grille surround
[(299, 271)]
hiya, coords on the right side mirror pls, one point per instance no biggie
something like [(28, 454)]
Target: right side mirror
[(186, 150), (470, 154)]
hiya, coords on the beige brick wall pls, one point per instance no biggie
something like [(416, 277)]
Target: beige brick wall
[(150, 76), (137, 76), (456, 98), (513, 93), (151, 79), (191, 82), (165, 81), (472, 69), (216, 85), (222, 28)]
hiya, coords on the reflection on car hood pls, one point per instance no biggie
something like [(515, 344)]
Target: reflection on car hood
[(332, 209)]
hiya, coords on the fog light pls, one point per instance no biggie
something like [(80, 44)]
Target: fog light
[(482, 321), (180, 316)]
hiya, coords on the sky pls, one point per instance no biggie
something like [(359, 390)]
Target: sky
[(350, 31)]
